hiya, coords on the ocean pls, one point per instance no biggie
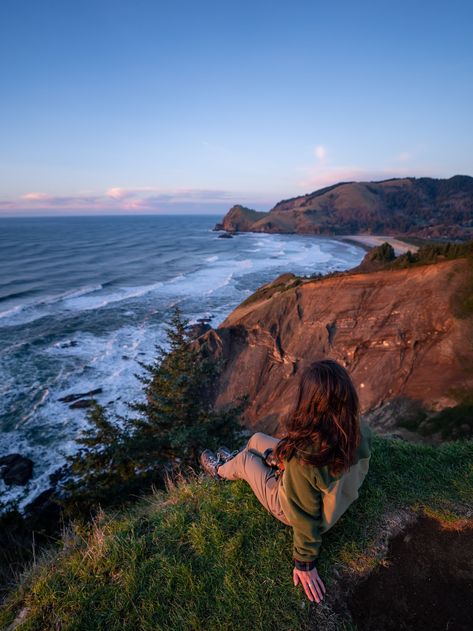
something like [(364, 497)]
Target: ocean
[(83, 298)]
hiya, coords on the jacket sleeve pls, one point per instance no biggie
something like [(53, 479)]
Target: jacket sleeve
[(303, 509)]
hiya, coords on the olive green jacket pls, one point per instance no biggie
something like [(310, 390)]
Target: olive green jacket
[(313, 500)]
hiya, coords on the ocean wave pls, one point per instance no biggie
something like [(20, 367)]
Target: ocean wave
[(15, 294), (26, 417), (9, 312), (245, 264), (226, 281), (50, 300)]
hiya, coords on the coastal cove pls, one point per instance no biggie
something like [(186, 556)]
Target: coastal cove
[(82, 299)]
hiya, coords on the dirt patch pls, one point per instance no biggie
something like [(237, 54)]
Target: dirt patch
[(426, 582)]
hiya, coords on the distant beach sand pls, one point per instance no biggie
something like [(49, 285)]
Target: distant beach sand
[(370, 241)]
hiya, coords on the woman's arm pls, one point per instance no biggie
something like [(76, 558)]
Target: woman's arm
[(301, 501)]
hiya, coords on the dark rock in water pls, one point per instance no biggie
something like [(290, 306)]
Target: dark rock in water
[(23, 536), (16, 469), (82, 404), (58, 475), (218, 226), (225, 235), (74, 397), (70, 344), (43, 513)]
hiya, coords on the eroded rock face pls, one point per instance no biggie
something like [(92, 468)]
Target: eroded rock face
[(395, 331)]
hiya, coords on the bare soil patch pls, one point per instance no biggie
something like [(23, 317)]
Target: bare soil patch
[(426, 582)]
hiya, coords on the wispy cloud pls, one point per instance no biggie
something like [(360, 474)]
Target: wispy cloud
[(404, 156), (118, 192), (320, 176), (320, 152), (35, 197), (324, 171), (146, 199)]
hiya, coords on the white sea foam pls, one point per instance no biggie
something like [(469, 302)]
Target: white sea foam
[(86, 303), (37, 309), (50, 300)]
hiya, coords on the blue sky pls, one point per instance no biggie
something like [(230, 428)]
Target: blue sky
[(151, 106)]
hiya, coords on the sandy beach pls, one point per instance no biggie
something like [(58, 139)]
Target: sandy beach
[(370, 241)]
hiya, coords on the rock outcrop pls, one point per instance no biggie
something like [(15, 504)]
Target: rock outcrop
[(16, 469), (240, 219), (423, 207), (396, 331)]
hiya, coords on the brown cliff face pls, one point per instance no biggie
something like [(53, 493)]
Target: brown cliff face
[(395, 331), (240, 219), (424, 207)]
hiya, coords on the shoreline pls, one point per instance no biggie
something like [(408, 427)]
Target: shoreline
[(365, 241), (369, 241)]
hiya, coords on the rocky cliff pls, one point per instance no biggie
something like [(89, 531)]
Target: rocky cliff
[(423, 207), (398, 332), (240, 219)]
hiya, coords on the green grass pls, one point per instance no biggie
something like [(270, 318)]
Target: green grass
[(207, 556), (288, 281)]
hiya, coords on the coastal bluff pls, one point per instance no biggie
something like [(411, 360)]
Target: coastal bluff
[(425, 207), (397, 331)]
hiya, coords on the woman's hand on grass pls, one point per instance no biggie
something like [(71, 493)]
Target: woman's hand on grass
[(311, 582)]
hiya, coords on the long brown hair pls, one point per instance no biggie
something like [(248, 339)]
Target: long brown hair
[(326, 416)]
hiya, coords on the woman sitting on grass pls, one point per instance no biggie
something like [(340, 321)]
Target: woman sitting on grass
[(308, 478)]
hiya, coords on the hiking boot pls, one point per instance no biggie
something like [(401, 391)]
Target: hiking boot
[(210, 463), (224, 454)]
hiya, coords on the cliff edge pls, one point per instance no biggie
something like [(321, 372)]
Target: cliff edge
[(400, 333)]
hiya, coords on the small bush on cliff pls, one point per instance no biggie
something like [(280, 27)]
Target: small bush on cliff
[(122, 457), (383, 253), (453, 423)]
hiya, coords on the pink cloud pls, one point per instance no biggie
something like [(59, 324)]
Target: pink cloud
[(319, 176), (35, 197), (320, 152), (139, 199)]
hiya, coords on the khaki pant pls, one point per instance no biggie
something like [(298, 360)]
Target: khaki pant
[(248, 465)]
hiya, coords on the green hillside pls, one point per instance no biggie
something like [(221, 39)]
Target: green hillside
[(205, 555)]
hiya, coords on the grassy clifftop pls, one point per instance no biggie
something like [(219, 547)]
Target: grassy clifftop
[(205, 555)]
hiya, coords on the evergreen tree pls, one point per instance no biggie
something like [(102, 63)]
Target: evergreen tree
[(174, 422), (177, 418), (103, 471)]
